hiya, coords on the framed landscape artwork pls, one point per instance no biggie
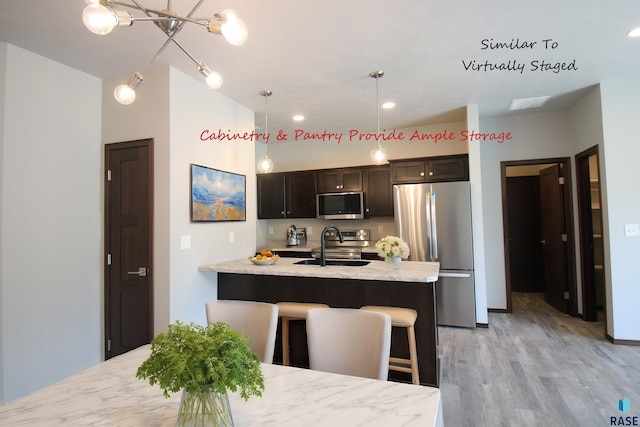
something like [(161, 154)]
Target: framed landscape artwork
[(217, 195)]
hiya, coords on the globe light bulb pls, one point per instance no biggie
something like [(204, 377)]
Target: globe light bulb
[(98, 19), (379, 156), (214, 80), (124, 94), (265, 165), (233, 29)]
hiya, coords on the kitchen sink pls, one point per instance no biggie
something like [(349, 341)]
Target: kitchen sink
[(344, 262)]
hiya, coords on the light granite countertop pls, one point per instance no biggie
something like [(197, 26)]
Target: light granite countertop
[(408, 271), (109, 394)]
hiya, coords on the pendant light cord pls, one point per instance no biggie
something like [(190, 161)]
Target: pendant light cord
[(378, 110), (266, 124)]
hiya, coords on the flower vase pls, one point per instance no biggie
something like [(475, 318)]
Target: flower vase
[(394, 261), (204, 407)]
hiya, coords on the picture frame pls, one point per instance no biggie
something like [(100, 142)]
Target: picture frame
[(217, 196)]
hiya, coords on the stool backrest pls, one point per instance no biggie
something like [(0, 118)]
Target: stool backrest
[(257, 320), (349, 341)]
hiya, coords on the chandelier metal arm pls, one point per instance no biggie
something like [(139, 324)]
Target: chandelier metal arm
[(102, 16), (170, 38)]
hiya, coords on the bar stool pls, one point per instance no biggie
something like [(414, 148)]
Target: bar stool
[(288, 311), (402, 318)]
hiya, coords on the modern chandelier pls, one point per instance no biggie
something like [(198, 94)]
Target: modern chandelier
[(265, 165), (102, 16), (378, 154)]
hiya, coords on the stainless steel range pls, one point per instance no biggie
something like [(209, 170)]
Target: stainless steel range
[(351, 248)]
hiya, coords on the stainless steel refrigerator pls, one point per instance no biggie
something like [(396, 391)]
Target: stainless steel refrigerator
[(435, 221)]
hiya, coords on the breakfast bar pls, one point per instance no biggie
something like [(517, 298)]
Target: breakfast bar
[(349, 286)]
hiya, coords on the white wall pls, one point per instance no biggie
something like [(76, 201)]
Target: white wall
[(586, 130), (477, 218), (535, 136), (294, 155), (174, 108), (195, 107), (3, 63), (620, 193), (51, 282)]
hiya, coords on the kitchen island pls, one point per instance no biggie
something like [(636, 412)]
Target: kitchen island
[(410, 286)]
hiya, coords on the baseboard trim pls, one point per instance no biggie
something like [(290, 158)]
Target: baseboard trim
[(498, 310), (482, 325), (622, 342)]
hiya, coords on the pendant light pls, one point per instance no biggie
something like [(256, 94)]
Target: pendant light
[(265, 165), (378, 154)]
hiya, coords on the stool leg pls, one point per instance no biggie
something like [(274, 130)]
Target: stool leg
[(285, 341), (413, 355)]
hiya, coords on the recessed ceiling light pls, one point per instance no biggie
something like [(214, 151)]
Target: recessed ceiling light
[(298, 117), (634, 33), (388, 105), (524, 103)]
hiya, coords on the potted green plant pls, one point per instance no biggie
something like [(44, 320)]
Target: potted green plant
[(204, 362)]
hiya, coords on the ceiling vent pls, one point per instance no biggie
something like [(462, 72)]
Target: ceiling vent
[(526, 103)]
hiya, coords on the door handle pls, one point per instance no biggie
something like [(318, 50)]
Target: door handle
[(543, 241), (142, 272)]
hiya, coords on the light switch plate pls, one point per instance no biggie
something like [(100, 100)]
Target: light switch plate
[(185, 242), (380, 229), (309, 230), (232, 237), (632, 230), (270, 230)]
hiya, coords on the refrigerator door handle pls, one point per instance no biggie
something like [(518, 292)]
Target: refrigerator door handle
[(428, 227), (434, 228)]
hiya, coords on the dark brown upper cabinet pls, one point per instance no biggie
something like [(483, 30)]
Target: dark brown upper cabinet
[(286, 195), (430, 169), (340, 180), (378, 197)]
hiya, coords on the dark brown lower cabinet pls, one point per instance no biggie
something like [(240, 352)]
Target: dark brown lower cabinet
[(348, 293)]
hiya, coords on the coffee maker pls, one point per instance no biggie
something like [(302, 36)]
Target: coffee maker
[(296, 236), (292, 236)]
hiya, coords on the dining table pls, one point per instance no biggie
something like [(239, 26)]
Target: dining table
[(109, 394)]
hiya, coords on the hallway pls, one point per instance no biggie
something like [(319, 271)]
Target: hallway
[(535, 367)]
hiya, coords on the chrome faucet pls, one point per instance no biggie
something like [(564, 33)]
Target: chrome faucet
[(323, 254)]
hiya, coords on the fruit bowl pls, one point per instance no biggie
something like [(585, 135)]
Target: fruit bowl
[(267, 261), (264, 258)]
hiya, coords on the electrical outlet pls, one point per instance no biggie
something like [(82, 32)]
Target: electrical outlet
[(632, 230), (309, 230), (185, 242), (270, 230), (380, 229)]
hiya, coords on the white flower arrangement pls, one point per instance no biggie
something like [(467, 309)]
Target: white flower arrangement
[(391, 246)]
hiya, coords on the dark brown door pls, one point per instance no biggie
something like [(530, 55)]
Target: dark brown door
[(591, 238), (525, 252), (554, 245), (128, 278)]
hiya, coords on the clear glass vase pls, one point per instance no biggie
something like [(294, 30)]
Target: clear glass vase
[(204, 407), (394, 261)]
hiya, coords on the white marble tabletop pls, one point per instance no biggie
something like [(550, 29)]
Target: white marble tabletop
[(109, 394), (409, 271)]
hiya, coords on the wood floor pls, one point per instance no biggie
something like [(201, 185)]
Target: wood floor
[(535, 367)]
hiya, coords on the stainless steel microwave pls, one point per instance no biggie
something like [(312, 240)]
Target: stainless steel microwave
[(340, 205)]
